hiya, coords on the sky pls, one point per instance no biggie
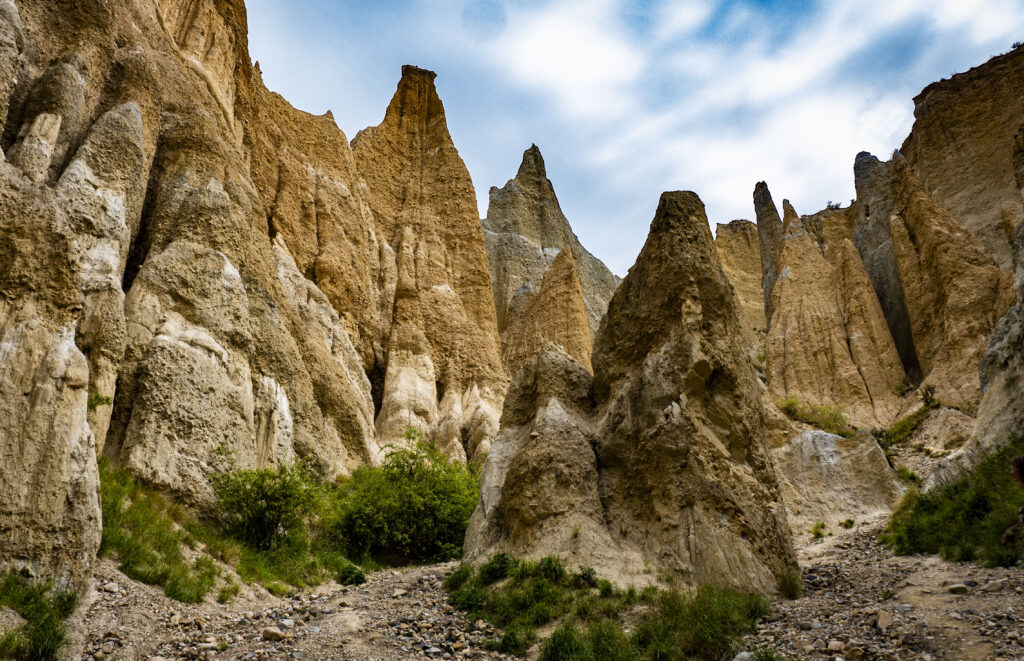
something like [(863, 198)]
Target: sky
[(629, 99)]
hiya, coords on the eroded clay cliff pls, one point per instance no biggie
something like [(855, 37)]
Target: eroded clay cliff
[(739, 251), (525, 229), (679, 477), (556, 313)]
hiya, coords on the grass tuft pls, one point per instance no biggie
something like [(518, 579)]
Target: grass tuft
[(827, 417), (43, 635)]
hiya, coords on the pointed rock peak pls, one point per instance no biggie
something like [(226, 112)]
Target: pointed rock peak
[(532, 166), (789, 214), (865, 159), (416, 97), (411, 72), (762, 196)]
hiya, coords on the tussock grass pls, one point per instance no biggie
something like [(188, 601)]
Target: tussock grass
[(521, 596), (827, 417), (43, 634)]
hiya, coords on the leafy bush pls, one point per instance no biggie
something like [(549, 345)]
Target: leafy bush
[(966, 519), (351, 575), (907, 475), (43, 635), (413, 508), (496, 568), (847, 523), (901, 429), (565, 644), (262, 507), (828, 417), (927, 394), (818, 530)]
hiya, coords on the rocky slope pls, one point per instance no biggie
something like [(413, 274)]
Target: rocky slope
[(738, 249), (665, 467), (525, 229)]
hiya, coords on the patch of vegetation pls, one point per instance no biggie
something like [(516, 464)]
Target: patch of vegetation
[(905, 387), (908, 475), (264, 507), (43, 635), (965, 520), (818, 530), (927, 394), (827, 417), (791, 584), (413, 508), (142, 530), (521, 595), (847, 524), (95, 401)]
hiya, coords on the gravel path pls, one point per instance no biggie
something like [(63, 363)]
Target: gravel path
[(860, 602)]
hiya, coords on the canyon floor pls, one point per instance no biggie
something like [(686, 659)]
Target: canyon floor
[(860, 602)]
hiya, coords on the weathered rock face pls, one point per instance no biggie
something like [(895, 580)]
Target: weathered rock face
[(829, 343), (684, 479), (872, 210), (953, 290), (555, 314), (827, 478), (444, 332), (769, 238), (525, 229), (960, 147), (739, 251), (191, 266)]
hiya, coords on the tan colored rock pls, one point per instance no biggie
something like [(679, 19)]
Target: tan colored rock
[(424, 206), (685, 482), (739, 251), (525, 229), (828, 478), (829, 343), (769, 238), (555, 314), (953, 289), (960, 147)]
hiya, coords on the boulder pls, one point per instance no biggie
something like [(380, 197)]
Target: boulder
[(829, 479)]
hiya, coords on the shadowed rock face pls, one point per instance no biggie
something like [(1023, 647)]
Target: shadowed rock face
[(739, 251), (769, 236), (874, 243), (961, 148), (555, 314), (683, 477), (525, 229), (829, 343)]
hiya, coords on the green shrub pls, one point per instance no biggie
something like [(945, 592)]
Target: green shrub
[(706, 624), (565, 644), (457, 578), (791, 584), (413, 508), (927, 394), (227, 593), (351, 575), (767, 654), (96, 400), (818, 531), (496, 568), (607, 642), (43, 635), (847, 524), (901, 429), (586, 577), (965, 520), (828, 417), (262, 507), (551, 568), (516, 640)]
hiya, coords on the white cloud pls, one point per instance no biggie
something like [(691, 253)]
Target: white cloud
[(575, 52), (679, 18)]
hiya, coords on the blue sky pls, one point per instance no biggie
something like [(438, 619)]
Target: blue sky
[(628, 99)]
